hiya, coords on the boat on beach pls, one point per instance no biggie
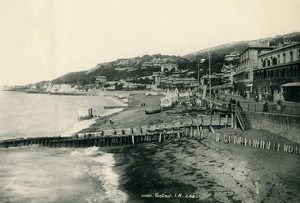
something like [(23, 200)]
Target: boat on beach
[(152, 111)]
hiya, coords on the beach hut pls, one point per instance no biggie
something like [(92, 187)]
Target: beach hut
[(85, 113), (166, 102)]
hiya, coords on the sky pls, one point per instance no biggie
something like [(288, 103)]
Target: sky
[(44, 39)]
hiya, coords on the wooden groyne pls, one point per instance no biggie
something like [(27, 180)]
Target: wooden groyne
[(257, 143), (122, 137)]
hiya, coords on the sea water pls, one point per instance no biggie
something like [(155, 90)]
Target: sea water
[(40, 174)]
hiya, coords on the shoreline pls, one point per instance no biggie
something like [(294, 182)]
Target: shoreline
[(206, 171)]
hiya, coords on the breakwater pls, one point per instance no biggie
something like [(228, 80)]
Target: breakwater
[(257, 143), (126, 136)]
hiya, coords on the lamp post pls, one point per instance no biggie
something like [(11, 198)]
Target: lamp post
[(209, 74), (200, 61)]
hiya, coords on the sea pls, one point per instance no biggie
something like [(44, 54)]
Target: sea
[(41, 174)]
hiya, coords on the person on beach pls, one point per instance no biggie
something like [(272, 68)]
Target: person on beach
[(111, 122)]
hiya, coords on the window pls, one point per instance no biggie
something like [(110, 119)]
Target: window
[(264, 63), (283, 57), (274, 61), (291, 56), (278, 56)]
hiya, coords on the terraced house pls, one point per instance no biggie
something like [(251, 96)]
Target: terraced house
[(248, 62), (278, 74)]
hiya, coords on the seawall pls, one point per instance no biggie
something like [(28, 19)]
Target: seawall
[(287, 126)]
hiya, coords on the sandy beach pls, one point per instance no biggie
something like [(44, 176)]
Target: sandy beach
[(190, 170)]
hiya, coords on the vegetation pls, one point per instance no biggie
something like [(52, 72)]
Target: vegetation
[(133, 68)]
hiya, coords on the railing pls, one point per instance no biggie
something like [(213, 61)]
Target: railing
[(236, 109), (272, 108)]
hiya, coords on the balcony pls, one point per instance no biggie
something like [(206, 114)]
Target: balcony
[(243, 81)]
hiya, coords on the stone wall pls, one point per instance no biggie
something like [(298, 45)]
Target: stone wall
[(287, 126)]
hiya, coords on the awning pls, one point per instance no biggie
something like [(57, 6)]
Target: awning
[(291, 84)]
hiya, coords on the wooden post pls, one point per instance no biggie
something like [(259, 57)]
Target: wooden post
[(232, 120), (235, 121), (296, 150), (211, 128), (132, 139), (225, 139), (199, 133), (186, 131), (217, 137), (226, 122), (268, 145), (285, 148), (291, 149)]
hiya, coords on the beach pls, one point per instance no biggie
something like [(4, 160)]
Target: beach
[(190, 170)]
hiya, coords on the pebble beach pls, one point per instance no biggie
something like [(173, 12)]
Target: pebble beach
[(190, 170)]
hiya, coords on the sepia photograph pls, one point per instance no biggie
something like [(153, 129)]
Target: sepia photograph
[(149, 101)]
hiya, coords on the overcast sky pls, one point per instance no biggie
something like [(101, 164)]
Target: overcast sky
[(43, 39)]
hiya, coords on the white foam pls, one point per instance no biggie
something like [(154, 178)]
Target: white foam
[(100, 167)]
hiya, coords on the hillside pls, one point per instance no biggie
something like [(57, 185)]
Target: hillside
[(122, 69), (133, 68)]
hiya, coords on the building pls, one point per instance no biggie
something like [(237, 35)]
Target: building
[(113, 85), (158, 76), (248, 62), (169, 67), (100, 79), (228, 69), (133, 86), (174, 81), (204, 80), (278, 74)]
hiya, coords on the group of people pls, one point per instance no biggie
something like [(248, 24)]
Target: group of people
[(233, 101), (143, 104)]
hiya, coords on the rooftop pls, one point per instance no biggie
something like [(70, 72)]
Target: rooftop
[(281, 48)]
